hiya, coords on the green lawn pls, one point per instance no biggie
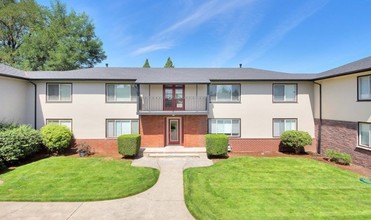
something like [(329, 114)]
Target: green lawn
[(275, 188), (75, 179)]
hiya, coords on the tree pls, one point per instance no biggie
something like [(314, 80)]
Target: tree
[(17, 22), (169, 63), (146, 64), (60, 41)]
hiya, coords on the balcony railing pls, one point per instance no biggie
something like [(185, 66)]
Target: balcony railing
[(161, 104)]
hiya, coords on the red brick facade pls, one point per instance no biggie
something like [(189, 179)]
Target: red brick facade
[(262, 145), (101, 146), (343, 136), (153, 130)]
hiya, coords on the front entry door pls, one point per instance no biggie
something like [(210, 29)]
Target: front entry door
[(174, 131)]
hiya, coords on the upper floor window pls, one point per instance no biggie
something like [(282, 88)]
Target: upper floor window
[(117, 127), (281, 125), (364, 88), (121, 93), (59, 92), (364, 133), (65, 122), (225, 92), (284, 92), (229, 127)]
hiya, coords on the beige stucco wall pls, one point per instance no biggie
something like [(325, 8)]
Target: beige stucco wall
[(339, 100), (88, 109), (257, 109), (16, 101)]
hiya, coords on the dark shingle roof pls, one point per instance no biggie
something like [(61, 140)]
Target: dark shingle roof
[(182, 75), (353, 67), (11, 72)]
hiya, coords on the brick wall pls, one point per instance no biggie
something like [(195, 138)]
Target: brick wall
[(152, 128), (343, 136), (101, 146), (195, 128)]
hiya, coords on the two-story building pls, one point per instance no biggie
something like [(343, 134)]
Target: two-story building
[(178, 106)]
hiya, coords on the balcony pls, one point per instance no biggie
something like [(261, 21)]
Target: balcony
[(158, 105)]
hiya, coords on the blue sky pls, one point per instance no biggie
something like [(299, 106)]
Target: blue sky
[(297, 36)]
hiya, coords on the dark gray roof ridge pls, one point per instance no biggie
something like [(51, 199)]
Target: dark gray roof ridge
[(9, 71)]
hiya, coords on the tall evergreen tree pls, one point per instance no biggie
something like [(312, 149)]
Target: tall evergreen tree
[(146, 64), (169, 63)]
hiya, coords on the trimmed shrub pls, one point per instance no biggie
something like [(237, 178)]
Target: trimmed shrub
[(216, 144), (296, 139), (129, 144), (18, 143), (338, 157), (7, 126), (56, 137)]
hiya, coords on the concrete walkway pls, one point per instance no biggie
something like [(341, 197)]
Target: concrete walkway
[(165, 200)]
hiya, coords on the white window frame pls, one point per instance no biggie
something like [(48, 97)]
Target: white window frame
[(367, 89), (360, 125), (285, 124), (115, 121), (218, 87), (60, 122), (222, 122), (115, 99), (285, 96), (59, 92)]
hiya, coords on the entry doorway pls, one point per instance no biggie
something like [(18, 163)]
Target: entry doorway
[(173, 131)]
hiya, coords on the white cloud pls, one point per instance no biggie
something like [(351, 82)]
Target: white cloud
[(151, 48)]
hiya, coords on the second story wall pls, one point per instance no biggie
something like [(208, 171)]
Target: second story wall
[(257, 109), (340, 99), (88, 108)]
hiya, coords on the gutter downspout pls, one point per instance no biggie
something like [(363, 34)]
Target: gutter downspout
[(320, 119), (35, 102)]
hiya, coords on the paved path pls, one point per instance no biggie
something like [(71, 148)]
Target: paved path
[(165, 200)]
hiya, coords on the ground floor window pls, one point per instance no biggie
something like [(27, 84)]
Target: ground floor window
[(229, 127), (65, 122), (364, 133), (281, 125), (117, 127)]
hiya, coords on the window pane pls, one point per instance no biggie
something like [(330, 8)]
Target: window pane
[(224, 92), (227, 126), (213, 127), (110, 92), (118, 128), (126, 127), (133, 93), (66, 123), (278, 92), (52, 121), (278, 127), (65, 92), (290, 93), (236, 93), (53, 92), (365, 87), (365, 130), (135, 127), (236, 127), (110, 129), (123, 93), (220, 127), (290, 124), (212, 92)]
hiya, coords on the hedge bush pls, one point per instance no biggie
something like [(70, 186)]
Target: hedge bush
[(7, 125), (216, 144), (129, 144), (296, 139), (338, 157), (18, 143), (56, 137)]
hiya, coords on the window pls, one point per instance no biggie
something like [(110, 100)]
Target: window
[(364, 133), (229, 127), (121, 93), (280, 125), (58, 92), (364, 88), (65, 122), (225, 93), (119, 127), (284, 92)]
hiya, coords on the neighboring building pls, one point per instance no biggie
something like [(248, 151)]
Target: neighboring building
[(178, 106)]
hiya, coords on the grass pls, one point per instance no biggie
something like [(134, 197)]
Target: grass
[(75, 179), (275, 188)]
